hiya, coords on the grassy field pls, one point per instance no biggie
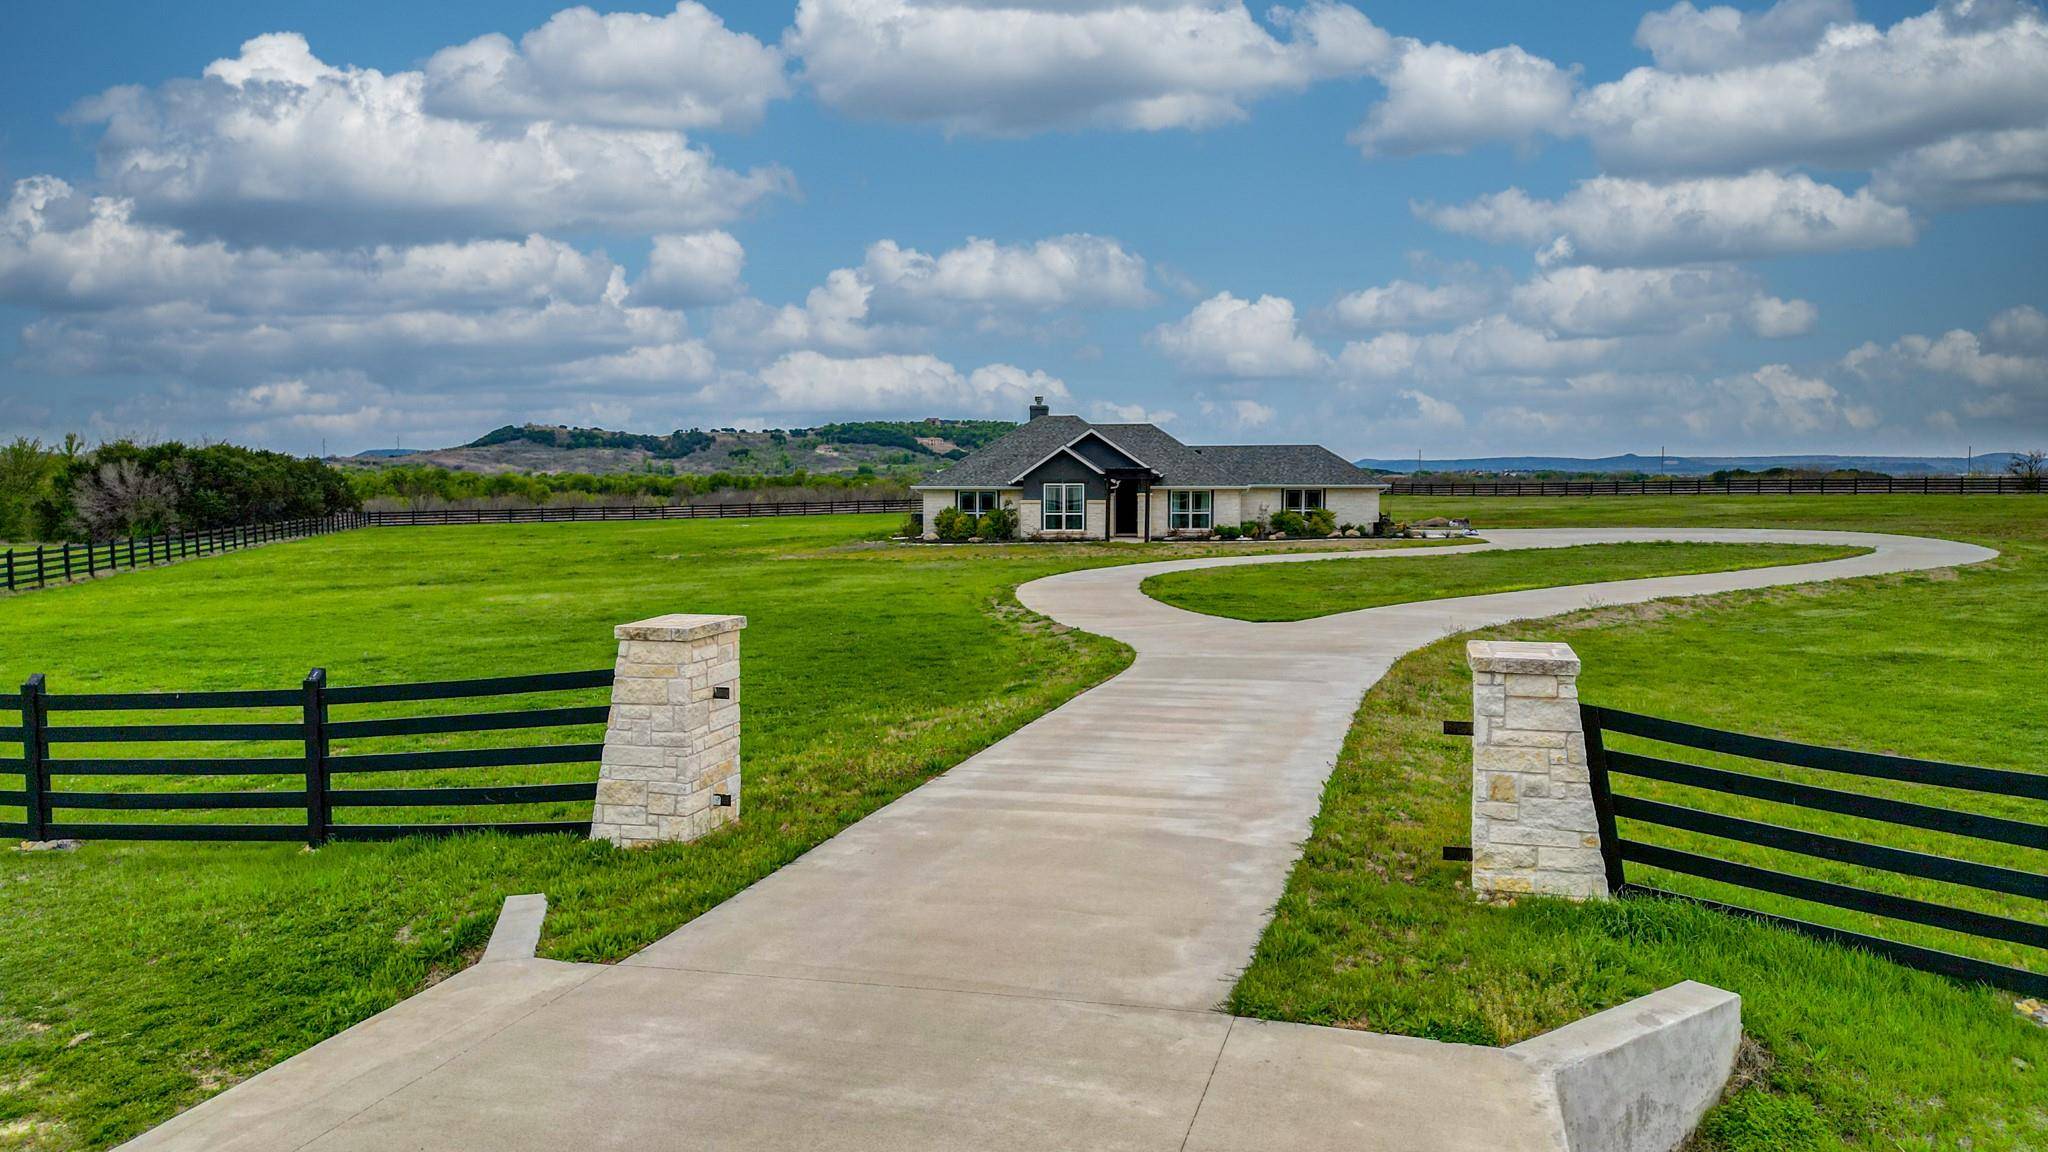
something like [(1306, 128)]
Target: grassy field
[(1303, 591), (137, 978), (1375, 931)]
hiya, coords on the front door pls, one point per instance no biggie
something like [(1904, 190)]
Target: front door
[(1124, 510)]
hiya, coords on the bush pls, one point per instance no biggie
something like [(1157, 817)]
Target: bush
[(1320, 522), (1230, 532), (127, 489), (1289, 522), (953, 525), (1252, 528), (1000, 524), (913, 525), (26, 470)]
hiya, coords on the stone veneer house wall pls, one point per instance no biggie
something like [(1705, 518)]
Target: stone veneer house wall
[(1072, 479)]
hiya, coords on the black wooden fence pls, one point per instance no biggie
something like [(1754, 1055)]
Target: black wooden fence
[(1606, 763), (313, 729), (46, 564), (1732, 486)]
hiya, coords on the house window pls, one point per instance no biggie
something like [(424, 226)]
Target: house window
[(1065, 508), (1188, 510), (977, 502), (1302, 499)]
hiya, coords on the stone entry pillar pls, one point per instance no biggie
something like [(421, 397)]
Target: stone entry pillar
[(1534, 831), (671, 767)]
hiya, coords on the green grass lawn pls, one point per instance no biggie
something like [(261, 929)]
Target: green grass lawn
[(1303, 591), (1376, 931), (135, 979)]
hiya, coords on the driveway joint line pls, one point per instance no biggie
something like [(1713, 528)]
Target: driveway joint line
[(1204, 1097)]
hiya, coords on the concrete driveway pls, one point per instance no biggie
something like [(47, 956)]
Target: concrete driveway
[(1025, 953)]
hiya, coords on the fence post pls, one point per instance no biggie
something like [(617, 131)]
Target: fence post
[(35, 750), (316, 757), (671, 763), (42, 570), (1535, 829), (1603, 798), (10, 569), (67, 562)]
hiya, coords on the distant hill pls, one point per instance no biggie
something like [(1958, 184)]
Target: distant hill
[(887, 447), (1989, 462)]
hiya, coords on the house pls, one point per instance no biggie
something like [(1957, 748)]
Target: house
[(1072, 479)]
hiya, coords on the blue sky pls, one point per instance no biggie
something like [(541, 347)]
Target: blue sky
[(1460, 229)]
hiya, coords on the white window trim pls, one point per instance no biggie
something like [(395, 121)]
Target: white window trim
[(1049, 508), (1190, 518), (1287, 494), (994, 497)]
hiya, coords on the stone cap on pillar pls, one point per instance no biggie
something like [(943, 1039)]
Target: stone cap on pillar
[(679, 626), (1522, 657)]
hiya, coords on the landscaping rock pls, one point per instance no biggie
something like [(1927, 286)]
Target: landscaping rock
[(51, 845)]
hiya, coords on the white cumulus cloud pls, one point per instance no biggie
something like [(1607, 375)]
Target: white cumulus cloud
[(807, 381), (692, 268), (1684, 38), (2006, 167), (1014, 68), (1613, 220), (1227, 336), (1589, 301), (1408, 304), (1443, 99), (684, 69), (277, 146), (1052, 273), (1859, 95)]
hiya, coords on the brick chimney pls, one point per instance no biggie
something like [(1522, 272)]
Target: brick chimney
[(1038, 408)]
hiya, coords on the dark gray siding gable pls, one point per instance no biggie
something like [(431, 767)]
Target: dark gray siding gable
[(1063, 469)]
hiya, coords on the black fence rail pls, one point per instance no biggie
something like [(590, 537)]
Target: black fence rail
[(43, 734), (1606, 763), (1733, 486), (25, 569)]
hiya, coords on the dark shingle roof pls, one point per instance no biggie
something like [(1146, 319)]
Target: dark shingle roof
[(1291, 464), (1222, 466), (999, 461)]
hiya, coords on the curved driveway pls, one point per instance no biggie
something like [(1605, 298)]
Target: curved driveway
[(1024, 953)]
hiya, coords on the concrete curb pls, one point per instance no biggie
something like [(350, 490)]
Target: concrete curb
[(517, 934), (1638, 1077)]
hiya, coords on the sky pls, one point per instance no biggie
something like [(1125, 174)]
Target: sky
[(1454, 229)]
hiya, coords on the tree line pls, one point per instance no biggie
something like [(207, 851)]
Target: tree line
[(66, 491), (420, 486)]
